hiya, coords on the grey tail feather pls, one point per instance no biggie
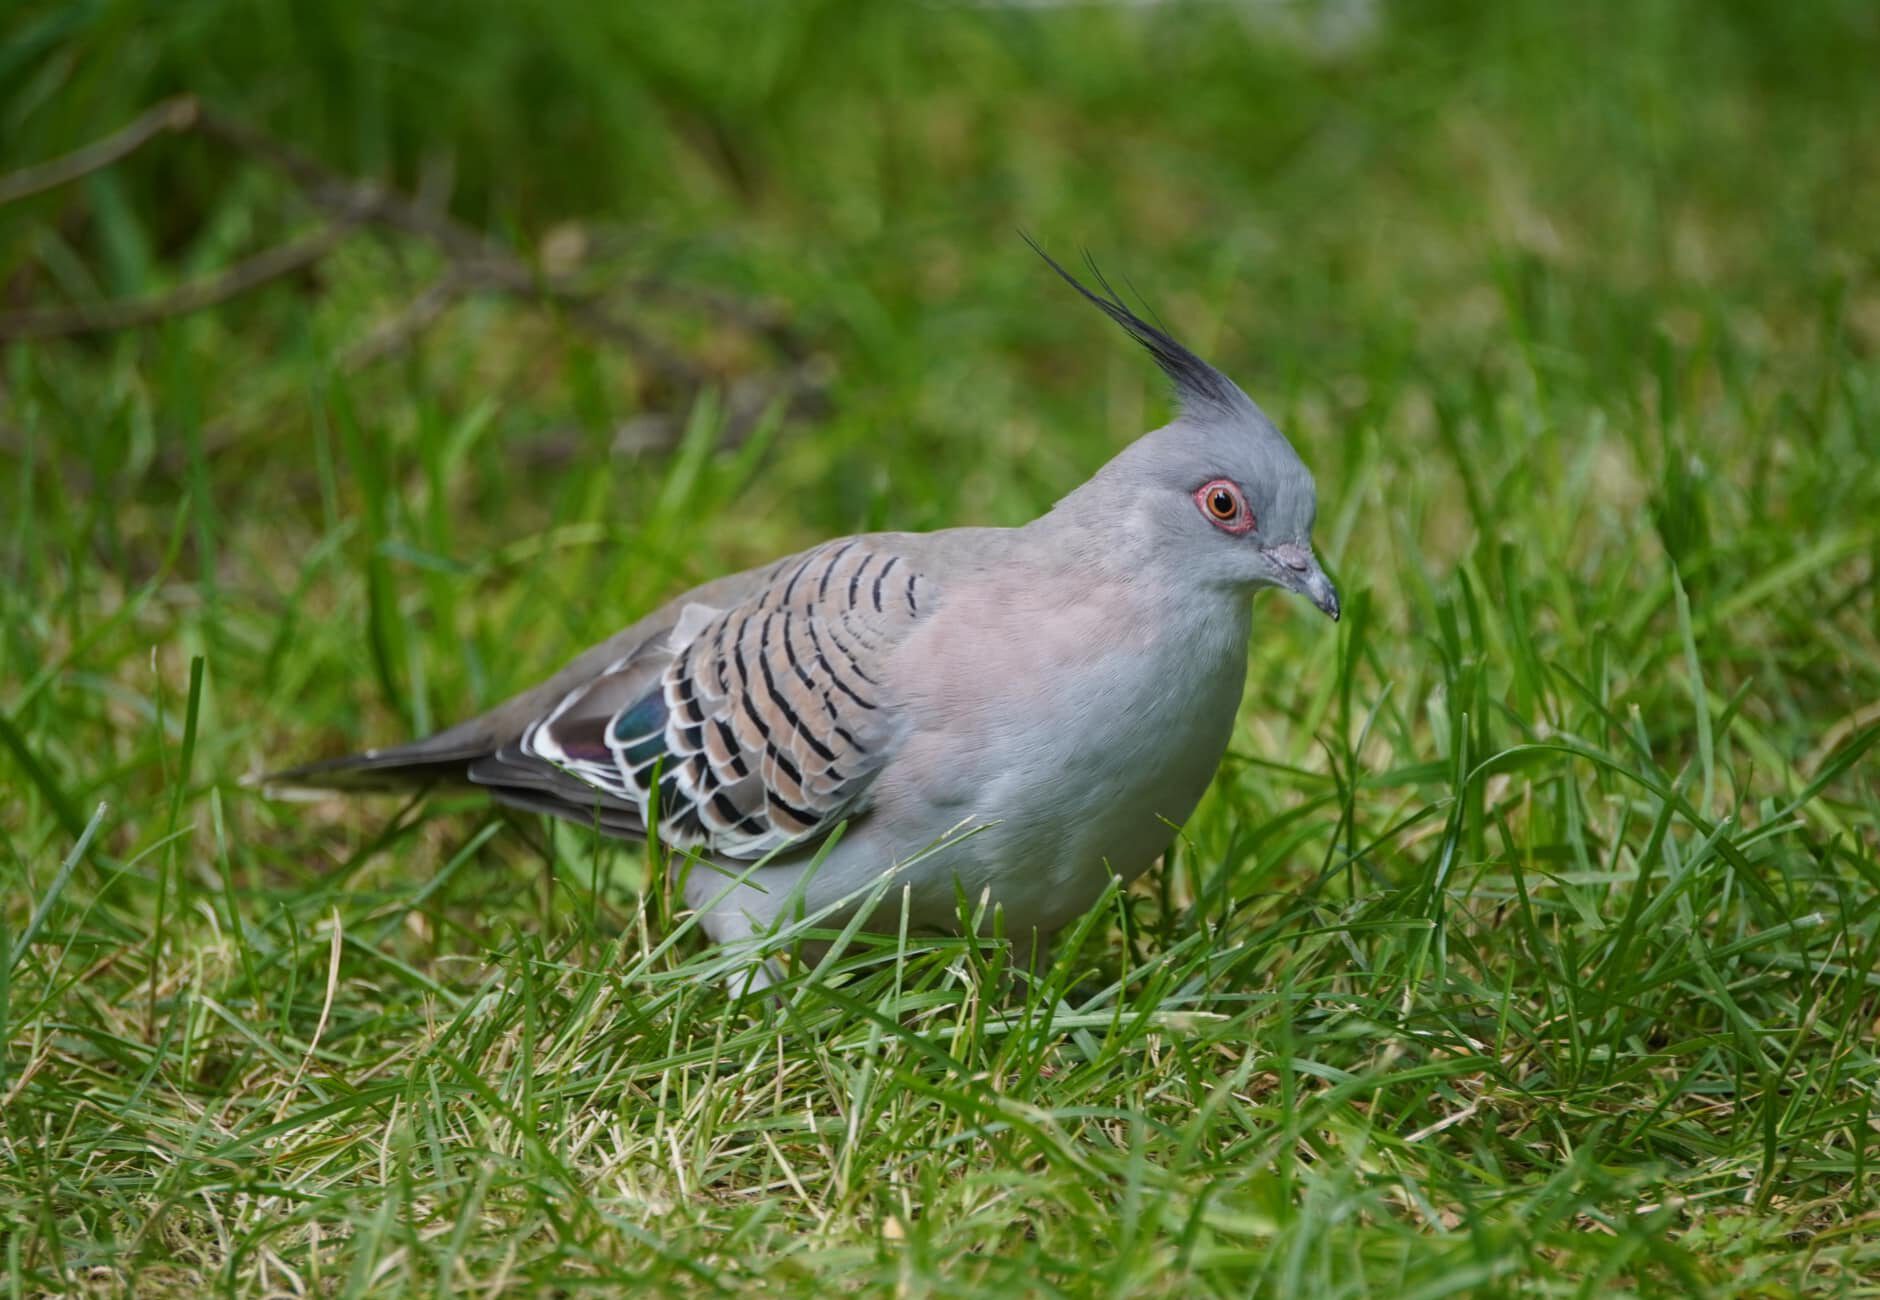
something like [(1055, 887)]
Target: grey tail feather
[(406, 769), (399, 768), (1195, 381)]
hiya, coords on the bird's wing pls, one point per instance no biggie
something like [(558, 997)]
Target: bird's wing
[(747, 727)]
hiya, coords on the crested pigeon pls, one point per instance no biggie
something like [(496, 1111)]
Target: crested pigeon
[(1015, 714)]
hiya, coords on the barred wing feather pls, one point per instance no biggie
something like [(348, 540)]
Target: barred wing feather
[(745, 730)]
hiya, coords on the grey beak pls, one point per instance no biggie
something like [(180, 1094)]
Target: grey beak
[(1303, 575), (1318, 589)]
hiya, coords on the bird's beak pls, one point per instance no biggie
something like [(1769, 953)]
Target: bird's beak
[(1318, 589), (1299, 570)]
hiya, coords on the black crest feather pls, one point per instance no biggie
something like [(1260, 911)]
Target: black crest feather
[(1196, 382)]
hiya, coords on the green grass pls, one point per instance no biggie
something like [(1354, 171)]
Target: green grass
[(1527, 941)]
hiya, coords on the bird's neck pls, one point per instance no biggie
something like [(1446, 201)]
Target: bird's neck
[(1091, 554)]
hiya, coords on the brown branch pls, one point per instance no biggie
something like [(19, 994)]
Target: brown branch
[(396, 334), (328, 189), (476, 263), (179, 114), (481, 264), (131, 313), (515, 281)]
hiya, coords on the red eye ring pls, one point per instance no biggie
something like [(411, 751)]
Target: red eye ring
[(1223, 506)]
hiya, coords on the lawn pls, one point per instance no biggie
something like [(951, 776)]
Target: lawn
[(1526, 942)]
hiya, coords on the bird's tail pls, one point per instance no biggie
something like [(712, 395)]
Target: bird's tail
[(441, 759)]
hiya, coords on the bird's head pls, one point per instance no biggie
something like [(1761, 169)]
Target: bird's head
[(1218, 491)]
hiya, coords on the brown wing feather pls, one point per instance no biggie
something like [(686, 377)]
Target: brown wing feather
[(765, 722)]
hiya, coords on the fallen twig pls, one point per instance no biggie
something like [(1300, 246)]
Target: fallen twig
[(171, 115), (130, 313), (395, 335), (476, 264)]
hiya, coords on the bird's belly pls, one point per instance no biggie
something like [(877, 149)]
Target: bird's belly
[(1046, 860)]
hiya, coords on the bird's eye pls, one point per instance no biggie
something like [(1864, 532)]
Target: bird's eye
[(1221, 501)]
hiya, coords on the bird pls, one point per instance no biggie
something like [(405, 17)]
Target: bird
[(1014, 715)]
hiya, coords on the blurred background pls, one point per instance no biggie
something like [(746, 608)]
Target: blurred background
[(1473, 258), (360, 362)]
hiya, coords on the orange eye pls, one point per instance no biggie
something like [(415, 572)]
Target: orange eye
[(1220, 500)]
